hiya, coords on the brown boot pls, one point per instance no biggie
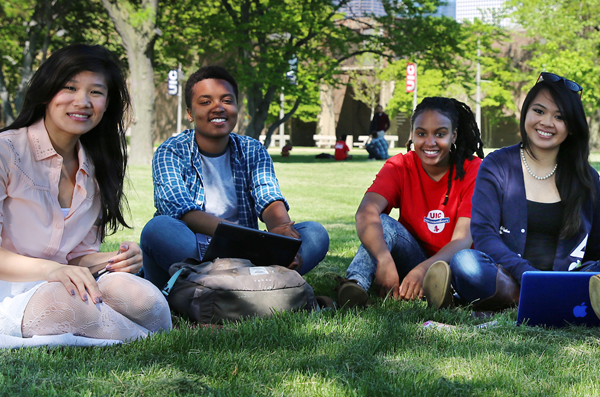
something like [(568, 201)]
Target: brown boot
[(436, 286), (350, 294), (506, 295)]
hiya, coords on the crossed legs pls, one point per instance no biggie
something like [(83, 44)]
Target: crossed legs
[(132, 308)]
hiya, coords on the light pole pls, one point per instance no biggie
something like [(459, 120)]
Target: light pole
[(416, 86), (281, 114), (179, 79), (478, 94)]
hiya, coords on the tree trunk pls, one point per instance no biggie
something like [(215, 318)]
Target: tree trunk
[(258, 109), (30, 51), (242, 123), (7, 108), (137, 28), (276, 124)]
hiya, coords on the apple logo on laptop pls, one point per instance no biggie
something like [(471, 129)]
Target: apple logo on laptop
[(579, 311)]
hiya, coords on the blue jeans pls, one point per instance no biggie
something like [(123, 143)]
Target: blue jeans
[(405, 250), (166, 240), (474, 274)]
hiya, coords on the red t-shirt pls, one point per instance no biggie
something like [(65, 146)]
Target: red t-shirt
[(405, 185), (340, 150)]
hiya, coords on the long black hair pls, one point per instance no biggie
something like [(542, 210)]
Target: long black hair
[(468, 137), (573, 175), (105, 144)]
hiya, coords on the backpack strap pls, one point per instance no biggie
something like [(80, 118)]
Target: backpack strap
[(167, 290)]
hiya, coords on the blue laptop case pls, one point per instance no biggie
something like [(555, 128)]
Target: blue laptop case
[(556, 299)]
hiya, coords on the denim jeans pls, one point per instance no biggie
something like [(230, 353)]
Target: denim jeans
[(166, 240), (405, 250), (474, 274)]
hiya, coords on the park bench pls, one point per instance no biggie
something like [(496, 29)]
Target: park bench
[(275, 139), (361, 141), (392, 141), (325, 141)]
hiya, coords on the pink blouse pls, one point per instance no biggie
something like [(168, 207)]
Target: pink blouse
[(31, 220)]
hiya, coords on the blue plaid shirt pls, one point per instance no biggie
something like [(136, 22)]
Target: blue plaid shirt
[(378, 147), (178, 184)]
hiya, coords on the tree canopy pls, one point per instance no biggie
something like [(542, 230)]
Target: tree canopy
[(30, 30), (257, 41), (566, 41)]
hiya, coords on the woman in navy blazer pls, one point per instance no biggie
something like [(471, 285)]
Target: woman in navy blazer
[(535, 204)]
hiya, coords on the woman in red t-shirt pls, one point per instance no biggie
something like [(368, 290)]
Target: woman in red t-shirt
[(432, 186)]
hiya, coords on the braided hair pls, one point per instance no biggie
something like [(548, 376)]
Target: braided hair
[(468, 137)]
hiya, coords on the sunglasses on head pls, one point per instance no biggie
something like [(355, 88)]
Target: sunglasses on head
[(554, 78)]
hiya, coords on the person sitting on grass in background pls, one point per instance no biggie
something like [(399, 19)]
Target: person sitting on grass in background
[(341, 149), (377, 148), (207, 175), (285, 151), (432, 187), (62, 166), (380, 124), (536, 205)]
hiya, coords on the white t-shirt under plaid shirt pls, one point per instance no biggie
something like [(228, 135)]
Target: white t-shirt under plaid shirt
[(178, 185)]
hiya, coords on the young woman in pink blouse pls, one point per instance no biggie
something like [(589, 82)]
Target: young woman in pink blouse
[(62, 166)]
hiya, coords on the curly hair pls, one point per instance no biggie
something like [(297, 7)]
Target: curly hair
[(468, 137), (208, 72)]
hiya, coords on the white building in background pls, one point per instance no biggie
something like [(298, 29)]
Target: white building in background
[(461, 10), (468, 10), (471, 9), (359, 8)]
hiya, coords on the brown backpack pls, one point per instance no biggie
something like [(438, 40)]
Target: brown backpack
[(233, 289)]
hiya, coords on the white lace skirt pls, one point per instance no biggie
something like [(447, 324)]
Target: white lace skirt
[(14, 298)]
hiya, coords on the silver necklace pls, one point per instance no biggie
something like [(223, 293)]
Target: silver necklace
[(541, 178)]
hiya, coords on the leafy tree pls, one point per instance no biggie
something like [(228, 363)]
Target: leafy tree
[(456, 77), (365, 81), (256, 39), (30, 30)]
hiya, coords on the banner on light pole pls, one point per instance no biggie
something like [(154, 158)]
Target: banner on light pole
[(173, 82), (411, 77)]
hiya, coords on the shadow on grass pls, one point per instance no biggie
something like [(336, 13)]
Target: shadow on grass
[(379, 351), (383, 350)]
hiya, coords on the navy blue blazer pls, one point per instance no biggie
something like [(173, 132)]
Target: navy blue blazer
[(499, 217)]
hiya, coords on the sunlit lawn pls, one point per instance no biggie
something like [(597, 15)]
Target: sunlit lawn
[(383, 350)]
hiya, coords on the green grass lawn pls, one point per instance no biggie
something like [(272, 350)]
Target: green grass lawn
[(380, 351)]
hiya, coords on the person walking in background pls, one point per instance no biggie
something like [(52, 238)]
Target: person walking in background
[(380, 122), (432, 186), (62, 167), (341, 149)]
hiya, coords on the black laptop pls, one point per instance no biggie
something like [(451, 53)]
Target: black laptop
[(261, 248)]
